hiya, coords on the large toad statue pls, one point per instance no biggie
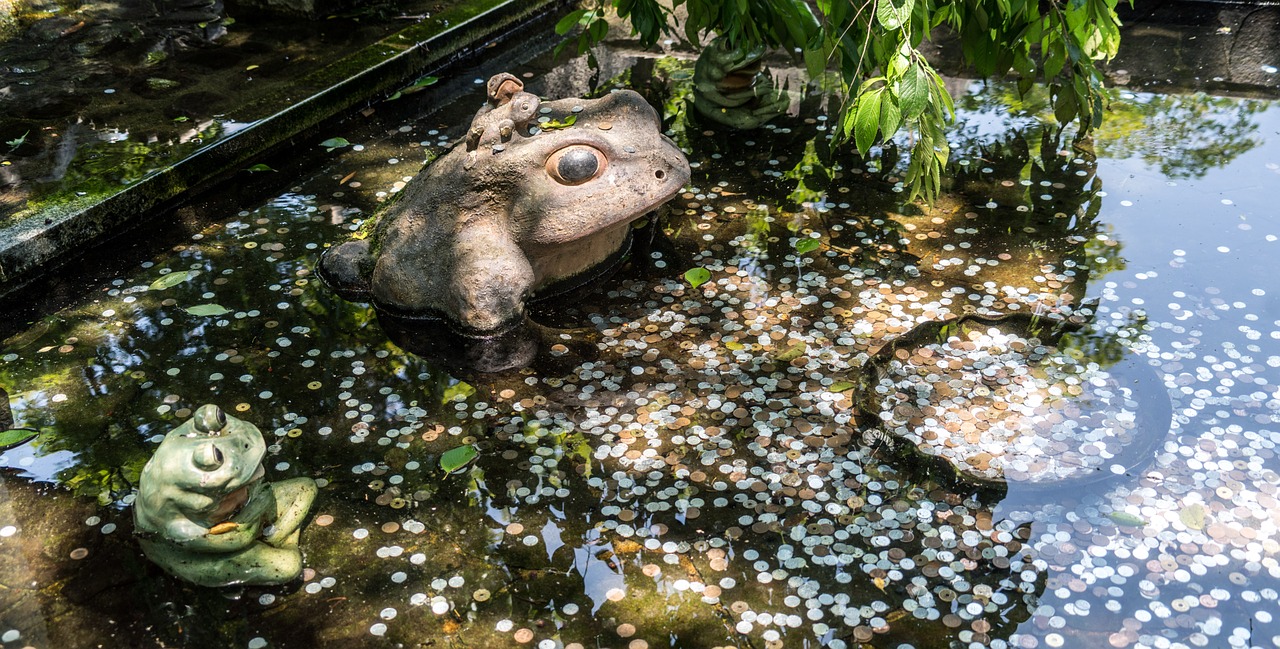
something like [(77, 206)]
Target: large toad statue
[(205, 514), (538, 196)]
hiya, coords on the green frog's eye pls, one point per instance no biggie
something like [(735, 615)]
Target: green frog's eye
[(208, 457), (210, 420), (576, 164)]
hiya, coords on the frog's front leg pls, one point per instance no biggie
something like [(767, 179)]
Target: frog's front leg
[(491, 278), (293, 499)]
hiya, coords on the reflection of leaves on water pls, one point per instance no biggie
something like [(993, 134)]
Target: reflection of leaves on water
[(1184, 136), (1107, 345)]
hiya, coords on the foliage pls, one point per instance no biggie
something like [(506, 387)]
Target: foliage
[(888, 84)]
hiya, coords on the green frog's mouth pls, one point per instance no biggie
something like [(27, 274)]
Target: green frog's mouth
[(233, 502)]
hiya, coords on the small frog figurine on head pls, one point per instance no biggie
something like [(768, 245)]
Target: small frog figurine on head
[(205, 514)]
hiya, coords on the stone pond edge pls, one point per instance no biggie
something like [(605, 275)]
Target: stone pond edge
[(44, 242)]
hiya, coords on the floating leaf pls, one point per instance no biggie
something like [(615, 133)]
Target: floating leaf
[(456, 458), (796, 350), (251, 67), (172, 279), (258, 167), (807, 244), (1126, 519), (458, 391), (182, 118), (416, 86), (335, 143), (552, 125), (17, 142), (16, 437), (697, 276), (207, 309), (841, 386), (1193, 516)]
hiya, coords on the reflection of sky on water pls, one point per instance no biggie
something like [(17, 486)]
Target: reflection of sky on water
[(1199, 252)]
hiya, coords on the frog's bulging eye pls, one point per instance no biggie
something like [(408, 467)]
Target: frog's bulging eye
[(574, 165), (208, 457), (210, 420)]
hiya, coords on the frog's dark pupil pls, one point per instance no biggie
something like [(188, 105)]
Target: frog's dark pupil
[(577, 165)]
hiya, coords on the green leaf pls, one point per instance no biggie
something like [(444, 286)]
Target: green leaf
[(1064, 106), (17, 141), (458, 391), (395, 95), (16, 437), (598, 29), (335, 143), (1128, 520), (172, 279), (893, 14), (867, 121), (913, 88), (456, 458), (807, 244), (553, 124), (207, 310), (697, 276), (567, 23), (258, 167), (1192, 516), (416, 86), (796, 350), (841, 386), (890, 115), (182, 118)]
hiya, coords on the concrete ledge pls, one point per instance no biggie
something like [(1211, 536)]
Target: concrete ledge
[(45, 241)]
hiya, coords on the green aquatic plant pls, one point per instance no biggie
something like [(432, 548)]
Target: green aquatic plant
[(889, 86)]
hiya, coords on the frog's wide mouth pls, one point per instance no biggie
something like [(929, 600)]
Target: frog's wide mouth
[(236, 498)]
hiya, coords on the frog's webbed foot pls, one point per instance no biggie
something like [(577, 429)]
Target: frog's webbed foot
[(293, 500), (491, 278), (257, 564)]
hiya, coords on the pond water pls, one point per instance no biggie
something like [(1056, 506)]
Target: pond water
[(1041, 412)]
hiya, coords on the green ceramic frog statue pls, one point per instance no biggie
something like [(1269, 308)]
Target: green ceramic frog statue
[(731, 86), (205, 514)]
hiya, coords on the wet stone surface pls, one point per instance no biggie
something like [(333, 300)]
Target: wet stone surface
[(1000, 406), (686, 464), (98, 96)]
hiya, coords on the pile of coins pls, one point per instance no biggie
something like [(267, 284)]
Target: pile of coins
[(1002, 407)]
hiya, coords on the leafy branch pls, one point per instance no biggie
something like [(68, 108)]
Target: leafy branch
[(888, 85)]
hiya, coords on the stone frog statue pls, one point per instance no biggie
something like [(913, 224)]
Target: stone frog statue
[(524, 207), (205, 514)]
